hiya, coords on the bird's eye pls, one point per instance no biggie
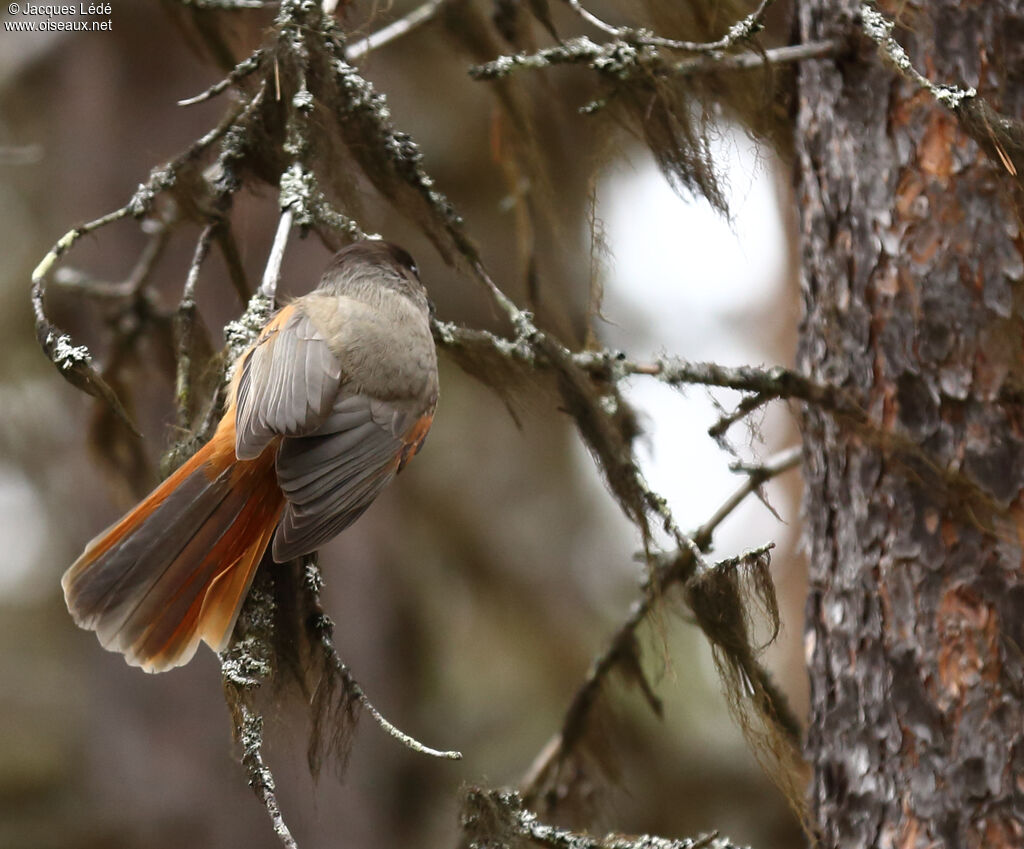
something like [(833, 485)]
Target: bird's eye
[(414, 269)]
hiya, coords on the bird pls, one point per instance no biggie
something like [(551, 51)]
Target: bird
[(327, 406)]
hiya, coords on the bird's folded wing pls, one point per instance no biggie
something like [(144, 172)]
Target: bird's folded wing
[(330, 476), (288, 384)]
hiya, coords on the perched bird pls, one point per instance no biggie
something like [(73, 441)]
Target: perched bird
[(329, 404)]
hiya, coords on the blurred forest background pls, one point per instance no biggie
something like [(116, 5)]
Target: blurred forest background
[(471, 599)]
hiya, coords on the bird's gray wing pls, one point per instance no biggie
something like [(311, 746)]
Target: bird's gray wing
[(330, 476), (288, 384)]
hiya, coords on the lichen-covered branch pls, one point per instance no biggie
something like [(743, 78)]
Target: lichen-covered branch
[(301, 100), (621, 59), (261, 779), (323, 631), (742, 30), (879, 29), (74, 362), (245, 666), (247, 66), (1000, 136), (616, 58), (614, 366), (77, 281), (499, 818)]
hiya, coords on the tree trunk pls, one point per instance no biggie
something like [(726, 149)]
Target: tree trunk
[(912, 269)]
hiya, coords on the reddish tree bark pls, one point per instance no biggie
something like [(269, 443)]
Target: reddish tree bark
[(912, 269)]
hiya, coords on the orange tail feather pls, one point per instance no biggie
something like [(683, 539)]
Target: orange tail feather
[(176, 569)]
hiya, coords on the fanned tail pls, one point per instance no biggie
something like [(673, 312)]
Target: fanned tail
[(176, 569)]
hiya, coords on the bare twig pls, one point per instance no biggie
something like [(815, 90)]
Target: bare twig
[(743, 409), (389, 728), (739, 31), (240, 71), (72, 278), (185, 328), (272, 272), (403, 26), (677, 568), (753, 60), (324, 631), (757, 476), (593, 19), (67, 241), (188, 295), (74, 361), (236, 271)]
